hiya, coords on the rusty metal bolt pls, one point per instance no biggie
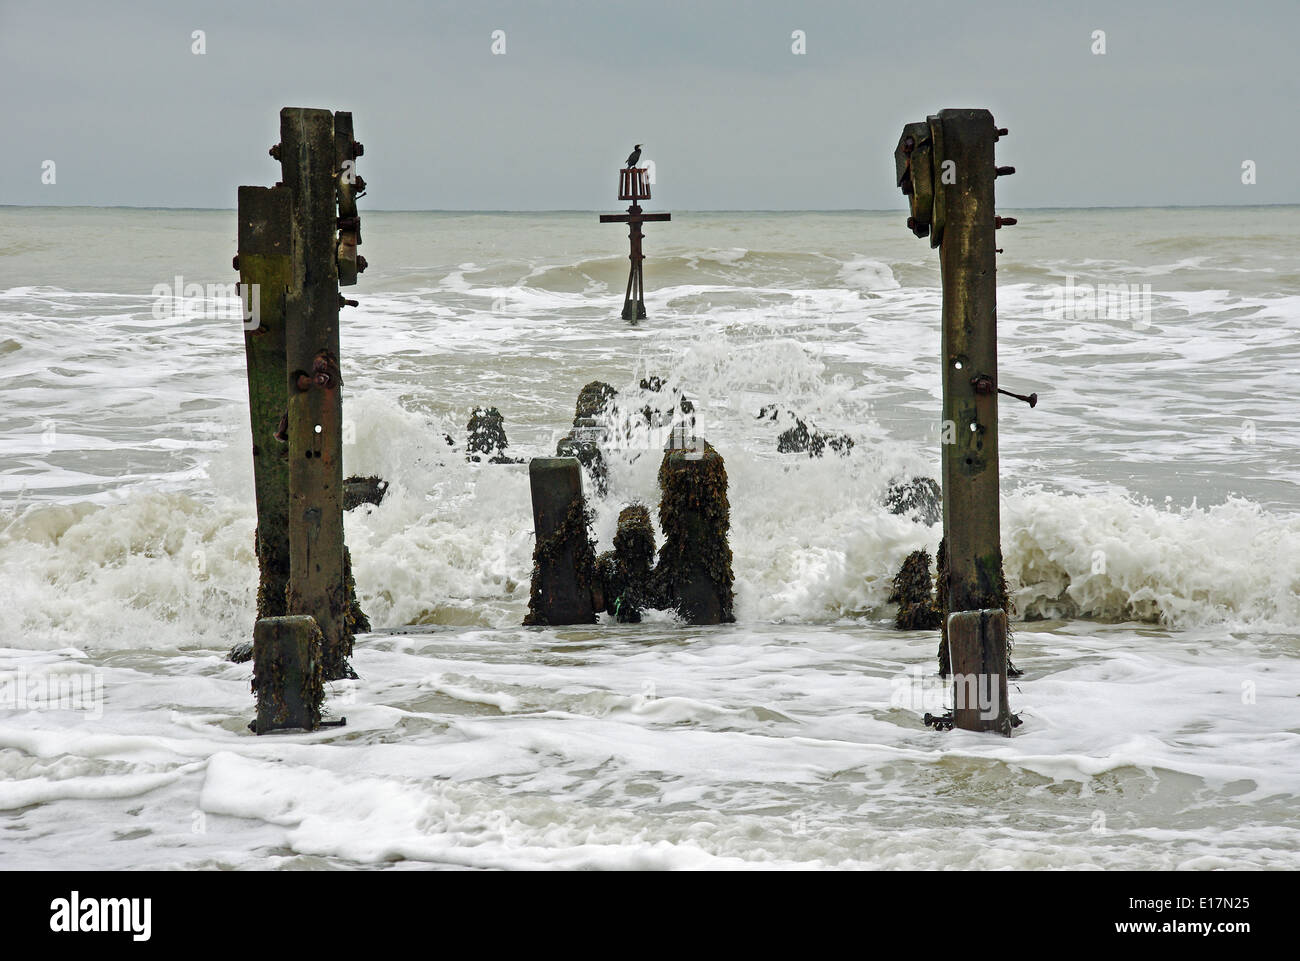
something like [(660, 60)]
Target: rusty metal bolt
[(1001, 132), (235, 262), (1000, 222), (1005, 171), (361, 264), (274, 152), (982, 383), (344, 302), (322, 378), (358, 149), (359, 185), (304, 382), (1031, 400)]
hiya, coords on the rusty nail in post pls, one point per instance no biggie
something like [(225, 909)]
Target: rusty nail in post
[(1005, 171), (274, 151), (1000, 222), (998, 249), (1031, 400)]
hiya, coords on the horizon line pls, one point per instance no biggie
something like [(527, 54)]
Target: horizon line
[(700, 210)]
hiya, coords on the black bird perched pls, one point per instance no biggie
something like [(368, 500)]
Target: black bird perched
[(634, 156)]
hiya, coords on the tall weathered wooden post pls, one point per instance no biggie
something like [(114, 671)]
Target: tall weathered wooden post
[(265, 274), (316, 578), (633, 186), (946, 167), (291, 264)]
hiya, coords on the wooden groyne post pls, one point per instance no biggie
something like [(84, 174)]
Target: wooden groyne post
[(694, 574), (288, 677), (265, 266), (633, 186), (317, 584), (563, 560), (297, 244), (947, 169)]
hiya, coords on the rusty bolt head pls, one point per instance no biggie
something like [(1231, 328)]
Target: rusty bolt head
[(322, 378), (359, 185), (275, 152), (304, 382), (235, 262), (361, 264), (1001, 132), (358, 149)]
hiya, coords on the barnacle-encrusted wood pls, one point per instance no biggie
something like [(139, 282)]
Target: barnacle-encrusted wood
[(563, 560), (694, 572)]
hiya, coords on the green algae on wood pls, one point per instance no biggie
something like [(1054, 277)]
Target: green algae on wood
[(265, 273)]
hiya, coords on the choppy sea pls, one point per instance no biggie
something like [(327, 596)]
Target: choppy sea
[(1150, 524)]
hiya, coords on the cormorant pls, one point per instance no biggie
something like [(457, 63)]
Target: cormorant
[(633, 157)]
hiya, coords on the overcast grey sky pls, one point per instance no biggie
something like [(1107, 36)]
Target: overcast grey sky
[(114, 95)]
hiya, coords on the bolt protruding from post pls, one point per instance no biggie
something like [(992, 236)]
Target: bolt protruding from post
[(1031, 400), (358, 149), (1005, 171), (1000, 222), (361, 264), (235, 262), (1001, 132), (274, 151)]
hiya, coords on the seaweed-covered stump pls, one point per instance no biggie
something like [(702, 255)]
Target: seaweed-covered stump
[(917, 610), (486, 437), (626, 573), (287, 673), (563, 560), (593, 400), (588, 433), (920, 498), (800, 440), (694, 572)]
